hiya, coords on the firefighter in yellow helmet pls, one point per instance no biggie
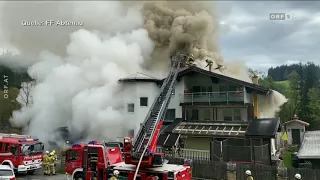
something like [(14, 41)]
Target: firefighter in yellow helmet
[(45, 163), (115, 175), (55, 157), (249, 175), (51, 160)]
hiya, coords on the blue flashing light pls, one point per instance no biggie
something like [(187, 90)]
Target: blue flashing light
[(36, 139), (150, 154), (75, 145), (91, 142), (22, 140)]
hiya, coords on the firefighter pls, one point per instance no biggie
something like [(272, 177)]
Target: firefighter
[(248, 174), (297, 177), (115, 175), (51, 161), (190, 60), (55, 157), (45, 163), (209, 64)]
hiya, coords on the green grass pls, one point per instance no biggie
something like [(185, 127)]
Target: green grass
[(287, 159)]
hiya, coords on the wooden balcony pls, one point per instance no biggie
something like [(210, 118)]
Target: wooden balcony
[(212, 97)]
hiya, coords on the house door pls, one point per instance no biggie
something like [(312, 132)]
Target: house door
[(296, 136)]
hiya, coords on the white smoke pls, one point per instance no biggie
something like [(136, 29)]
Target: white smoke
[(269, 105), (77, 68)]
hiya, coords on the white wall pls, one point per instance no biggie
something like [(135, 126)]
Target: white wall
[(175, 99), (295, 125), (132, 91)]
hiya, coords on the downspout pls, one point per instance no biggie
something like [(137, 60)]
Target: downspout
[(255, 98)]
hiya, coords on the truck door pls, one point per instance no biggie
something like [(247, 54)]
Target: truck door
[(85, 160)]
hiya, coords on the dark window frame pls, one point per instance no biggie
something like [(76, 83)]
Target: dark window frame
[(130, 109), (73, 157), (144, 101), (6, 147), (170, 114)]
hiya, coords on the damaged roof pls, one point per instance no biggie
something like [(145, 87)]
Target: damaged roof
[(310, 147), (140, 77), (185, 71), (249, 86)]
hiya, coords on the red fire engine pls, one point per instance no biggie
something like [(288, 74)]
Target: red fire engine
[(142, 151), (21, 152), (98, 157)]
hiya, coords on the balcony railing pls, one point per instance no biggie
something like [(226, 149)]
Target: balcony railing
[(187, 153), (212, 97)]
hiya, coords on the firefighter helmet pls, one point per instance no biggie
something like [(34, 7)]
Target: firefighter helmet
[(248, 172), (116, 172), (297, 176), (47, 152)]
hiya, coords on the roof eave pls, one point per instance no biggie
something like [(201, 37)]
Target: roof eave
[(309, 157)]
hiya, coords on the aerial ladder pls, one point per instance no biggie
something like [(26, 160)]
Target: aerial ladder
[(142, 151)]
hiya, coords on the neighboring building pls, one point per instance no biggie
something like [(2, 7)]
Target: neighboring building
[(295, 130), (310, 148), (203, 105)]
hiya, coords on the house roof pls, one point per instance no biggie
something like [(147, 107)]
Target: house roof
[(310, 147), (140, 77), (266, 127), (185, 71), (248, 85), (297, 121)]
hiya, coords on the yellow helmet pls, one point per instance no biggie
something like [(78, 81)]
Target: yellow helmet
[(53, 151)]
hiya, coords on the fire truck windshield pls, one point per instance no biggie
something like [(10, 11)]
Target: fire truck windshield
[(29, 149)]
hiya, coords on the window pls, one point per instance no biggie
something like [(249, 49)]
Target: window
[(144, 101), (196, 89), (14, 150), (72, 155), (207, 114), (194, 115), (171, 114), (213, 114), (6, 172), (0, 147), (237, 114), (131, 107), (227, 114), (6, 147), (209, 89)]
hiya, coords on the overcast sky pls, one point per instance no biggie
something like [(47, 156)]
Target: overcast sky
[(263, 43)]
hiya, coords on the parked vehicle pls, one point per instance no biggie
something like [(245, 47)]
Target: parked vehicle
[(6, 173), (21, 152)]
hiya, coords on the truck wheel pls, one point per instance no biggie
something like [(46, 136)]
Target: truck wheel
[(79, 177)]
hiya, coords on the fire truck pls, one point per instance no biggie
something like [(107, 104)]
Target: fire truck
[(140, 158), (93, 150), (21, 152)]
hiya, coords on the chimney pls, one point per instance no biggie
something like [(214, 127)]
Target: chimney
[(295, 117), (255, 80)]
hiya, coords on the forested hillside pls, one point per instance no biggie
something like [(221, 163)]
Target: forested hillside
[(300, 83)]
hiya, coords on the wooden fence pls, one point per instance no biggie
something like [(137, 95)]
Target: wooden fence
[(204, 169)]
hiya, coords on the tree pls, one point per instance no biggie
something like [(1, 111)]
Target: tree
[(314, 107)]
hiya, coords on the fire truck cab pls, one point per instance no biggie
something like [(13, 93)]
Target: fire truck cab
[(93, 157), (165, 172), (21, 152)]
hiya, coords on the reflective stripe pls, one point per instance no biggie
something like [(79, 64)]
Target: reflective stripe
[(6, 154)]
